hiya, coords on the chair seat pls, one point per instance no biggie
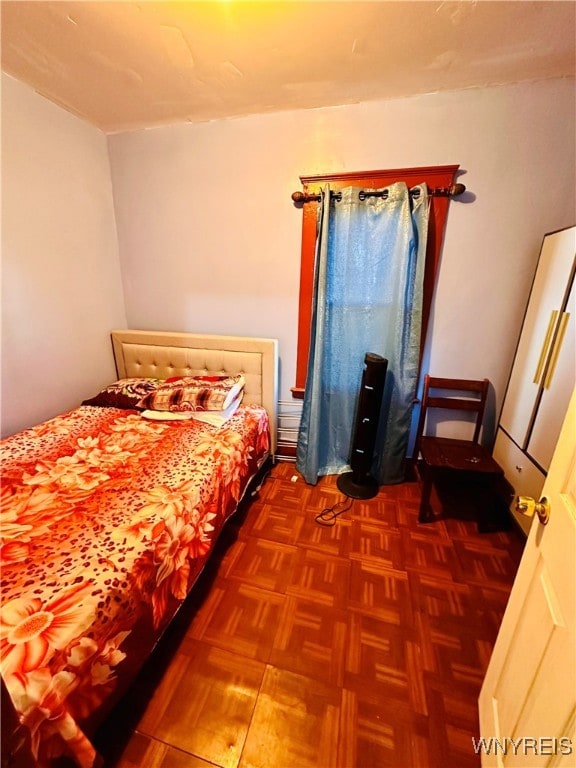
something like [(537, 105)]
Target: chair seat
[(462, 455)]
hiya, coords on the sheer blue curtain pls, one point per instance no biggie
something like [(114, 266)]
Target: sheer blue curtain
[(368, 284)]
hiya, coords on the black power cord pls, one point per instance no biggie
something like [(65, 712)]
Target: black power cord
[(329, 515)]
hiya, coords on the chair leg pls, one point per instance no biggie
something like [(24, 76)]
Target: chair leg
[(492, 508), (425, 515)]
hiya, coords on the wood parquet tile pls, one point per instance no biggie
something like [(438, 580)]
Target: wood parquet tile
[(376, 543), (310, 640), (204, 703), (151, 753), (321, 578), (263, 563), (237, 617), (361, 645), (291, 704)]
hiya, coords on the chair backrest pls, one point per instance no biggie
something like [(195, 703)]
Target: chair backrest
[(453, 394)]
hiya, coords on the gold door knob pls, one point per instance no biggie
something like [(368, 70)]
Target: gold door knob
[(527, 506)]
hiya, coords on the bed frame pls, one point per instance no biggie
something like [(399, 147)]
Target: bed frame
[(163, 354)]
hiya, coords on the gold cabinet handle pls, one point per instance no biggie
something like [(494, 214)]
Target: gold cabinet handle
[(545, 346), (556, 349), (527, 506)]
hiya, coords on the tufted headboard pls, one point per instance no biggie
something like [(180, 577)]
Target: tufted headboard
[(164, 354)]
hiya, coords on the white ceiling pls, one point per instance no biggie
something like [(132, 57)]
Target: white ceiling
[(129, 65)]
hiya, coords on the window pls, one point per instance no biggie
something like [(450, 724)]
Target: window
[(438, 178)]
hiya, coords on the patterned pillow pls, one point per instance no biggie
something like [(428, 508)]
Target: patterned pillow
[(124, 393), (194, 393)]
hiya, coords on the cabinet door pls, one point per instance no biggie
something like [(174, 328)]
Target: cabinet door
[(540, 325), (522, 474), (558, 384)]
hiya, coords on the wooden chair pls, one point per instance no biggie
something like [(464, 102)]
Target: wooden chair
[(465, 461)]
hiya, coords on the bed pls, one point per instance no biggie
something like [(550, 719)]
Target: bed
[(109, 514)]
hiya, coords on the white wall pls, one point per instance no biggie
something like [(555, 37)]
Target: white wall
[(61, 283), (210, 240)]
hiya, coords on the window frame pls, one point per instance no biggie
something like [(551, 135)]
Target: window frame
[(436, 177)]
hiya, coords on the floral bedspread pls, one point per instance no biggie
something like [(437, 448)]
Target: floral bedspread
[(106, 521)]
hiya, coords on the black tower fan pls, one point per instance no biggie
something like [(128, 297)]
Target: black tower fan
[(359, 484)]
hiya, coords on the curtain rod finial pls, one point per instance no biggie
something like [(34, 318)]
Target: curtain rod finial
[(452, 191), (304, 197), (299, 197)]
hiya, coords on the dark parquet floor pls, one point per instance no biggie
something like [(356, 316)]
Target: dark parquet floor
[(361, 645)]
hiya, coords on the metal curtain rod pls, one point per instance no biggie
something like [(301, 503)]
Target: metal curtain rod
[(452, 191)]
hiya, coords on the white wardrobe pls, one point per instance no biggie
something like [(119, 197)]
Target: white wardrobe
[(543, 374)]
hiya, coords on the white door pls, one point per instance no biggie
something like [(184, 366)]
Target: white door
[(528, 700)]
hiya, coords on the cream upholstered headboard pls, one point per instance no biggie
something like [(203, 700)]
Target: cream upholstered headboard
[(164, 354)]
